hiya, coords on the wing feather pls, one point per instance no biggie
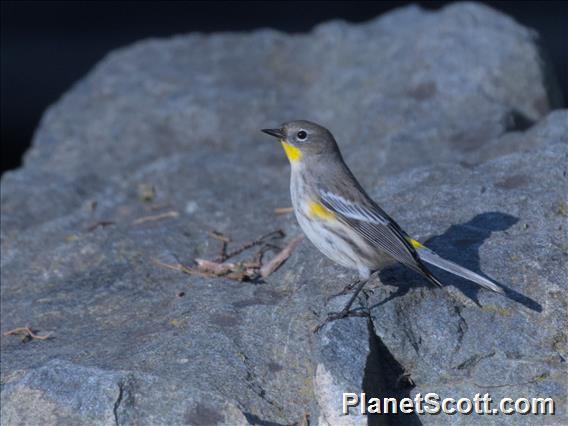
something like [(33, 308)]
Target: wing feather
[(375, 226), (354, 211)]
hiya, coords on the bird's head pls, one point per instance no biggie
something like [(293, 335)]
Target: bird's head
[(303, 139)]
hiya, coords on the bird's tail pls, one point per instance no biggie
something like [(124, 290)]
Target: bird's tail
[(428, 256)]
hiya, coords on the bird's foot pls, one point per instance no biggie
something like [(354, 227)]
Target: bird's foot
[(333, 316)]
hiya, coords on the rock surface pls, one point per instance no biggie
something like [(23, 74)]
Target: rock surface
[(432, 106)]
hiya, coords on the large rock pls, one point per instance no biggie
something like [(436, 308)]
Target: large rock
[(411, 88), (508, 219), (431, 107)]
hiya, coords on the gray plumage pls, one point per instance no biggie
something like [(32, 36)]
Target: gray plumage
[(341, 220)]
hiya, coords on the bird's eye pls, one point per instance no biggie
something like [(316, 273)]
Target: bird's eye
[(301, 135)]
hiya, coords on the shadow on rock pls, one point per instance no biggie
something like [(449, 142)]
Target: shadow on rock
[(460, 244), (257, 421), (384, 377)]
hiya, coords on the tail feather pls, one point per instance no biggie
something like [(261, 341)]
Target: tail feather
[(428, 256)]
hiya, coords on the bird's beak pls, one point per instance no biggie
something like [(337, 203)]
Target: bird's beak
[(277, 133)]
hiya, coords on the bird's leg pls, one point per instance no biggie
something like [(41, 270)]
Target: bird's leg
[(358, 289), (345, 311), (347, 289)]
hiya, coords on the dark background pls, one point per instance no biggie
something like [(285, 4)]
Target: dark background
[(48, 45)]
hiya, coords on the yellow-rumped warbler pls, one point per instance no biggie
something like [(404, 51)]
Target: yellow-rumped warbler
[(342, 221)]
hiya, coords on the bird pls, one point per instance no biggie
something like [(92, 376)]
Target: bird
[(343, 222)]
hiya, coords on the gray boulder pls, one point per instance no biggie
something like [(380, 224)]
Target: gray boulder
[(412, 87), (508, 220), (431, 106)]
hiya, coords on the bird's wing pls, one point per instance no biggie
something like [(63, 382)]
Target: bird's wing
[(373, 224)]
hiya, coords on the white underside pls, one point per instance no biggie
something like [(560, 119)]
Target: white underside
[(335, 248)]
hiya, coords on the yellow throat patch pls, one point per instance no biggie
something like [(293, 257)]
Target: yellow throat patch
[(319, 211), (293, 153)]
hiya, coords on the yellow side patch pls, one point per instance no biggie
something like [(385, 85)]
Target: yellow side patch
[(319, 211), (415, 244), (293, 153)]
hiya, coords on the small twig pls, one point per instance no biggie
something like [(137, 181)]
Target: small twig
[(181, 268), (283, 210), (171, 214), (249, 244), (240, 271), (257, 261), (27, 332), (277, 260), (215, 268), (175, 266), (101, 223), (208, 269), (224, 241), (219, 236)]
